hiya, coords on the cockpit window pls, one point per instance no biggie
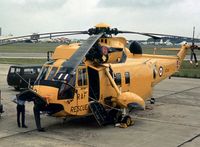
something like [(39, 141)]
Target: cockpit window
[(82, 77), (43, 73), (52, 73), (67, 90)]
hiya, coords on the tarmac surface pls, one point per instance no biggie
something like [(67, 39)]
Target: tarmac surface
[(174, 120)]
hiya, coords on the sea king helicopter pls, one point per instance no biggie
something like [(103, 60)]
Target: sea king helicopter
[(101, 76)]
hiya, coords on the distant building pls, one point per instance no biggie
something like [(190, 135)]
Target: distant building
[(171, 40)]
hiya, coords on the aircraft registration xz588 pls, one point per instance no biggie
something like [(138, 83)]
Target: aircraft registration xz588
[(101, 76)]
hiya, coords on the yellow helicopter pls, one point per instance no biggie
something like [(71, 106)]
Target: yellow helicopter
[(100, 76)]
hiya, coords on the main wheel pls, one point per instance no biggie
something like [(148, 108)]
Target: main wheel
[(127, 120), (115, 116)]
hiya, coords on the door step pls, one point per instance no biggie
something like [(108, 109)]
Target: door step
[(99, 113)]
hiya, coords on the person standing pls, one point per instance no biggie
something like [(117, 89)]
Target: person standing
[(38, 106), (20, 111)]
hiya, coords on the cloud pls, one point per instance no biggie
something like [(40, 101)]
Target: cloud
[(137, 3), (21, 17), (38, 5)]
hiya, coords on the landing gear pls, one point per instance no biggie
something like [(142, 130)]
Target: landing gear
[(113, 116), (127, 120), (152, 100), (124, 120)]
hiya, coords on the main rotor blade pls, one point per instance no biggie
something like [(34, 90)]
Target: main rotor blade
[(157, 35), (39, 36), (69, 67), (43, 34), (79, 55), (140, 33), (59, 35), (27, 39)]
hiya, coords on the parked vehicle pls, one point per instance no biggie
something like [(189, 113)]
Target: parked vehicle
[(22, 76)]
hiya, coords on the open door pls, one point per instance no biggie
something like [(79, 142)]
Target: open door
[(94, 91)]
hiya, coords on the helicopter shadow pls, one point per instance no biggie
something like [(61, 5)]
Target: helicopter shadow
[(86, 122)]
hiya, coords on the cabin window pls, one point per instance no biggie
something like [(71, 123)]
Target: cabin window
[(29, 71), (127, 77), (17, 70), (106, 41), (12, 70), (82, 77), (52, 73), (118, 79)]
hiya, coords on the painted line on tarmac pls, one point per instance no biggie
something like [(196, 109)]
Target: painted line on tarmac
[(168, 122), (190, 140), (178, 92), (16, 134)]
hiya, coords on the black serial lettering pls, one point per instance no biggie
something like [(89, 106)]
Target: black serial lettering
[(79, 108)]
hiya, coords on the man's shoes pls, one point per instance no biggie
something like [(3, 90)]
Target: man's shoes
[(41, 130), (19, 125), (24, 126)]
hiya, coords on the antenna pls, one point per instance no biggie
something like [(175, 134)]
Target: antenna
[(193, 36)]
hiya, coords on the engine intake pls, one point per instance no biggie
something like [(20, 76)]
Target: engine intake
[(135, 48)]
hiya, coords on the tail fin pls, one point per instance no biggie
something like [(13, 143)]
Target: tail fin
[(182, 53)]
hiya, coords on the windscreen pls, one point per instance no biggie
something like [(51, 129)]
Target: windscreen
[(43, 73), (52, 73)]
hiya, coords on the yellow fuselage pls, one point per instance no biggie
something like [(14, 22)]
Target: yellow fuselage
[(138, 74)]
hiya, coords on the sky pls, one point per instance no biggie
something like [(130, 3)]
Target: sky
[(21, 17)]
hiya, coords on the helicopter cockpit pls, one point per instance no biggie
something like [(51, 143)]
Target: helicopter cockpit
[(58, 77), (47, 74)]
